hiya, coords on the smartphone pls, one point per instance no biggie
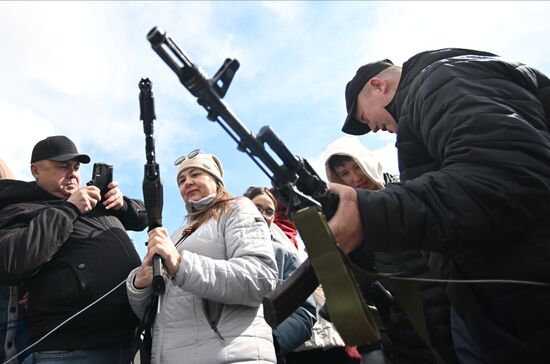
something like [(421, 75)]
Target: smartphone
[(102, 175)]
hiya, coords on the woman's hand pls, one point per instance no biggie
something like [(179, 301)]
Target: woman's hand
[(144, 276), (161, 244)]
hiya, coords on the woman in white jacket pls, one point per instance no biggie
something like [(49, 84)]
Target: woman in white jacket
[(218, 270)]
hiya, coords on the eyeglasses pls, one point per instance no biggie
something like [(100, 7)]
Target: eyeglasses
[(192, 154), (268, 212)]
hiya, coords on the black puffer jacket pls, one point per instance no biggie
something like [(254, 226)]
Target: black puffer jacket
[(474, 155), (68, 260)]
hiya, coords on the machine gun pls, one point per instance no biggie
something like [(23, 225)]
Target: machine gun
[(152, 185), (303, 192)]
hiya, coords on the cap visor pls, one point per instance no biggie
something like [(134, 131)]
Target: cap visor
[(82, 158), (354, 127)]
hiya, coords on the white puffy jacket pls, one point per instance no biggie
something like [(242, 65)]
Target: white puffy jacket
[(227, 267)]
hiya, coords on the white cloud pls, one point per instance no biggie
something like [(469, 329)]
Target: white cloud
[(286, 10), (21, 130), (399, 30), (56, 43), (73, 67), (387, 155)]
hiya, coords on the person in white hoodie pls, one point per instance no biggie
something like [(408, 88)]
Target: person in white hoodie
[(219, 267), (348, 162)]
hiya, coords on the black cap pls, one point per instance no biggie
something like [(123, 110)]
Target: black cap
[(57, 148), (364, 74)]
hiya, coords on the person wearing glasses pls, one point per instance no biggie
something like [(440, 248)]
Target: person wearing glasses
[(218, 269), (297, 328)]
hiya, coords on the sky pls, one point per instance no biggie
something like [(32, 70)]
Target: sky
[(72, 68)]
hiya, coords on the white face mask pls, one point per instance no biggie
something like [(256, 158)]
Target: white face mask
[(194, 206)]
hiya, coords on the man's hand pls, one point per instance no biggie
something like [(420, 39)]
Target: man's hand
[(346, 225), (85, 198), (113, 198)]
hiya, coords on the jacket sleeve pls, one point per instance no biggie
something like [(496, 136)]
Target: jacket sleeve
[(248, 274), (26, 245), (139, 299), (491, 152), (297, 328), (132, 214)]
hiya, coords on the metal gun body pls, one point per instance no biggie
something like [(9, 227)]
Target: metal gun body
[(152, 184), (294, 181)]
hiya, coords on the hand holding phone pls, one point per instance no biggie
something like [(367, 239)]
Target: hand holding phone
[(102, 175)]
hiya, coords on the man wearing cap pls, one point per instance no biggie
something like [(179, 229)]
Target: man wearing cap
[(68, 246), (474, 159)]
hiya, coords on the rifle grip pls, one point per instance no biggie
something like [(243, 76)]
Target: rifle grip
[(329, 202), (287, 297), (158, 279)]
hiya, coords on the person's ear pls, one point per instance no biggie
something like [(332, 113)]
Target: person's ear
[(377, 83), (34, 171)]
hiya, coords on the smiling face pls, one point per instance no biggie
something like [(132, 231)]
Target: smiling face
[(352, 175), (195, 184), (371, 101), (60, 179)]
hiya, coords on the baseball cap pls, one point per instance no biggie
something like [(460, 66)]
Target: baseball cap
[(364, 74), (57, 148)]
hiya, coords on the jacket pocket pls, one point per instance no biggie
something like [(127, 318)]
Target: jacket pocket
[(55, 289)]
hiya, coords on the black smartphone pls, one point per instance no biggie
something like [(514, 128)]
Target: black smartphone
[(102, 175)]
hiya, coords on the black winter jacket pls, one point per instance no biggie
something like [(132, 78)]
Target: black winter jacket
[(474, 156), (68, 260)]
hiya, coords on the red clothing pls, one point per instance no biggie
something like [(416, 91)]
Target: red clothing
[(282, 221), (287, 227)]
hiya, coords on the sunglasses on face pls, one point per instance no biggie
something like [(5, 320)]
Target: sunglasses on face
[(268, 212), (192, 154)]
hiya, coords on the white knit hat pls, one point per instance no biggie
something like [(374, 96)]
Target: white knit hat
[(206, 162)]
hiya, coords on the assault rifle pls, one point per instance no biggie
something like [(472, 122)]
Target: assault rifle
[(152, 185), (301, 189)]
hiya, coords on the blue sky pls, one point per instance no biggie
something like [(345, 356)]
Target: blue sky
[(72, 68)]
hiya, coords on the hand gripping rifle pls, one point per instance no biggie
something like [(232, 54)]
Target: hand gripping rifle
[(302, 191), (152, 185)]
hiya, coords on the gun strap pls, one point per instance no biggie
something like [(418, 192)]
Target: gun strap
[(410, 299), (340, 278), (345, 303)]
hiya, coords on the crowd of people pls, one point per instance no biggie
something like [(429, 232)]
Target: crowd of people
[(468, 217)]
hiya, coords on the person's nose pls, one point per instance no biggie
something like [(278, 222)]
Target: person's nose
[(72, 172), (188, 183), (356, 176)]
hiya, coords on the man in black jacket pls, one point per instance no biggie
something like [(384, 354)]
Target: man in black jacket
[(349, 163), (68, 246), (474, 159)]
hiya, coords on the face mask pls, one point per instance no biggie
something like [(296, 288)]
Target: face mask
[(194, 206)]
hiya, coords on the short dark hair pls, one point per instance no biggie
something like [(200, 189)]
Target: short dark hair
[(337, 160), (252, 192)]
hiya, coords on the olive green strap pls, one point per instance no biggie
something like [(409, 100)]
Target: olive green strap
[(410, 299), (345, 303)]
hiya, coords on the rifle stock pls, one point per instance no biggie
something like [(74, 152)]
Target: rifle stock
[(287, 297)]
